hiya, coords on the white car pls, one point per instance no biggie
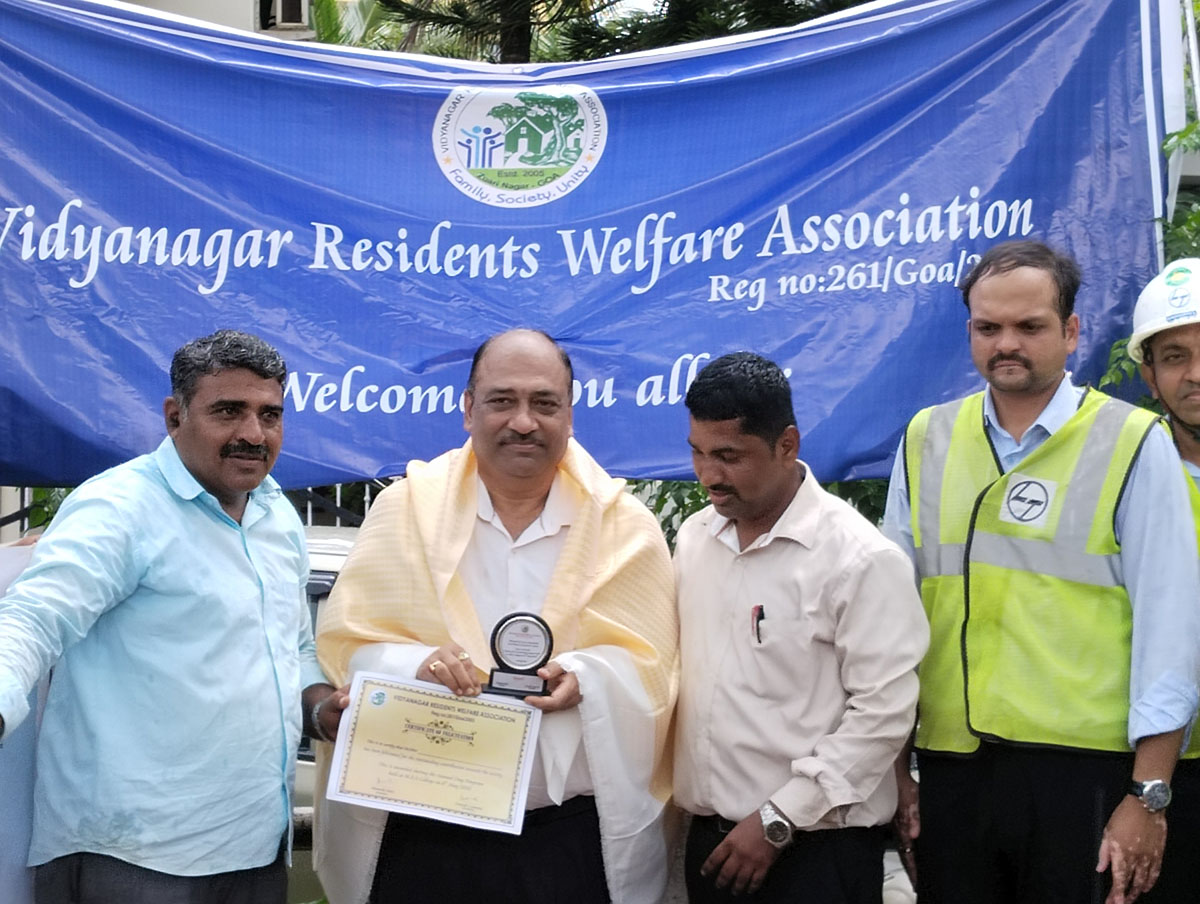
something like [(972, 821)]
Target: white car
[(327, 550)]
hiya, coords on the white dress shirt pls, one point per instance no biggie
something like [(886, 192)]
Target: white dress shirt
[(809, 705)]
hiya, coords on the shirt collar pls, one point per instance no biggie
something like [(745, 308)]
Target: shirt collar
[(799, 521), (1060, 409), (556, 513), (184, 485)]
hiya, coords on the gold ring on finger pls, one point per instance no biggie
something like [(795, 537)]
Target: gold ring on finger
[(435, 665), (463, 655)]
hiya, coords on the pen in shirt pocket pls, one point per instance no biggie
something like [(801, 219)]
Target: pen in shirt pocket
[(757, 615)]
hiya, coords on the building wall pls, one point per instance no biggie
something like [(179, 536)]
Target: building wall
[(10, 501), (233, 13)]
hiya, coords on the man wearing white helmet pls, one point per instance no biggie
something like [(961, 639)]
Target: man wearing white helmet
[(1050, 530), (1166, 343)]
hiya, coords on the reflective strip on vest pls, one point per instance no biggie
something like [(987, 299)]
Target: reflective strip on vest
[(1021, 554)]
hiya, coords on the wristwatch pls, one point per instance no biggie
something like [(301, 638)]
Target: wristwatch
[(777, 828), (1154, 794)]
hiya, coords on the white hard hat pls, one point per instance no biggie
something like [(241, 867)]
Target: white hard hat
[(1169, 300)]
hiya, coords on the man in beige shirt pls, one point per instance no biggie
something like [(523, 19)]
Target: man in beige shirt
[(520, 518), (800, 633)]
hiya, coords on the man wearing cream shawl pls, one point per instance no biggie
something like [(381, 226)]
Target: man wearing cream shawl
[(520, 518)]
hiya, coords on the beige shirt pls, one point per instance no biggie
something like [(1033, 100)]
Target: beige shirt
[(810, 706)]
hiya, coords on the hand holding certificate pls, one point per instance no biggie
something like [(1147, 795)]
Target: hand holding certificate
[(414, 747)]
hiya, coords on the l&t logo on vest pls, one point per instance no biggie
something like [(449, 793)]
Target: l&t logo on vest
[(1028, 500)]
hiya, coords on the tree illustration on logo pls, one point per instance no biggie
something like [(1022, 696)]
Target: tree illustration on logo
[(538, 129)]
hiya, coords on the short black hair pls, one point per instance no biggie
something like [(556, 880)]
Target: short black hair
[(1011, 255), (483, 347), (745, 386), (223, 350)]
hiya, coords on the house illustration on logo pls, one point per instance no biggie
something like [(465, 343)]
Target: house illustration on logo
[(542, 129), (527, 135)]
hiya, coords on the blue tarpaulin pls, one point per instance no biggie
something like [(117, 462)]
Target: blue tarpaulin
[(813, 194)]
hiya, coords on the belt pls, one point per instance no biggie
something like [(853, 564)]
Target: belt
[(717, 822)]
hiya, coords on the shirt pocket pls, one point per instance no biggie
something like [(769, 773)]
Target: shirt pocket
[(773, 659)]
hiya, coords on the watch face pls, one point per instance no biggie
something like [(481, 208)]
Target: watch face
[(1156, 794), (778, 832)]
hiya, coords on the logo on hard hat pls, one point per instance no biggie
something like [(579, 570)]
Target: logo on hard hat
[(1177, 276), (1179, 297)]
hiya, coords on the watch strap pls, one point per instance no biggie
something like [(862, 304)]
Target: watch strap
[(1155, 793), (775, 824)]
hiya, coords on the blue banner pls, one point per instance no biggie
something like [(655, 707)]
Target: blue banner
[(813, 194)]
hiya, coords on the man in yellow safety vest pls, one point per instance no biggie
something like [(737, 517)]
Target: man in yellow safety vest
[(1056, 558)]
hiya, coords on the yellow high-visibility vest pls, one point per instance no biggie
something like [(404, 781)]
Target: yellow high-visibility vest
[(1022, 580)]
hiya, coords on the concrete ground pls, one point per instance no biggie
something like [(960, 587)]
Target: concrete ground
[(303, 885)]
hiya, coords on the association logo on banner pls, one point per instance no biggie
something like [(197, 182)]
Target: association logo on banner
[(519, 148)]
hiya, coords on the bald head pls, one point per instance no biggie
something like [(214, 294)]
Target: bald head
[(517, 409), (519, 336)]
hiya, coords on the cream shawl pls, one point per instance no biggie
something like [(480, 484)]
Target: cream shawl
[(611, 601)]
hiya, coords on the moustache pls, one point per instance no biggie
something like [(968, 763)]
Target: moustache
[(244, 448), (722, 488), (1017, 359), (511, 437)]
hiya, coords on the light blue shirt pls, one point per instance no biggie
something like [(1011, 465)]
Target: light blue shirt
[(1158, 556), (180, 642)]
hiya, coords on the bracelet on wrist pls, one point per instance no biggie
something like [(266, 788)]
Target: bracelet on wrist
[(314, 719)]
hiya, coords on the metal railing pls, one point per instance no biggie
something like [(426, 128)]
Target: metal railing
[(341, 505)]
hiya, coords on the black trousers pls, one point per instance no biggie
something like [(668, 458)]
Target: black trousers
[(555, 858), (1179, 882), (97, 879), (1013, 825), (832, 866)]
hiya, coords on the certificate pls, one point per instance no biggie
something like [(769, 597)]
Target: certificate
[(413, 747)]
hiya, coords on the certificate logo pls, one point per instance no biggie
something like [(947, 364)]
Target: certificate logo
[(519, 148), (378, 698)]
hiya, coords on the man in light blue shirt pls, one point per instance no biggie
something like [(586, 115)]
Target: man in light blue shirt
[(993, 825), (169, 596), (1166, 343)]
